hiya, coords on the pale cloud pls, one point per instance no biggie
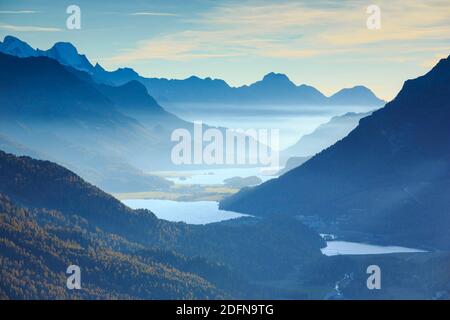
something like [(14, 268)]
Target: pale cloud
[(294, 30), (155, 14), (156, 49), (229, 32), (17, 28), (166, 49), (267, 18), (18, 11), (402, 21)]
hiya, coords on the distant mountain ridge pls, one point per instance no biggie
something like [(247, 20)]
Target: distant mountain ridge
[(274, 88), (64, 52), (111, 135), (64, 114), (324, 135), (389, 178), (357, 95)]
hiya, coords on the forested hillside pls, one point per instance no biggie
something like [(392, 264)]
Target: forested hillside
[(51, 218)]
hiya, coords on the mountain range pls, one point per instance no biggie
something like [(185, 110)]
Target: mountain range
[(55, 109), (388, 179), (273, 89), (64, 115)]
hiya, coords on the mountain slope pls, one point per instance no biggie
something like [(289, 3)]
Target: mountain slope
[(389, 177), (63, 52), (118, 77), (13, 46), (34, 257), (358, 95), (324, 136), (66, 54), (48, 107), (88, 126), (276, 88)]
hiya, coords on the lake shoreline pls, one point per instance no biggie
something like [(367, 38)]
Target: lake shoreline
[(193, 212), (341, 247), (206, 212)]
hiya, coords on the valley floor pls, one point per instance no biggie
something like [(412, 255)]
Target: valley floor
[(183, 192)]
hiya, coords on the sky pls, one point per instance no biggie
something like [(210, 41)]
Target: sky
[(322, 43)]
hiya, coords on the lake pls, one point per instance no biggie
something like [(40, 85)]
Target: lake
[(195, 212), (203, 212), (216, 176), (347, 248)]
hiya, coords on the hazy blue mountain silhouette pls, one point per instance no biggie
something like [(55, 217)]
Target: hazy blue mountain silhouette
[(324, 135), (191, 89), (64, 52), (90, 127), (389, 177), (277, 88), (273, 89), (61, 94), (54, 110), (16, 47), (321, 138), (358, 95), (132, 98), (117, 77)]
